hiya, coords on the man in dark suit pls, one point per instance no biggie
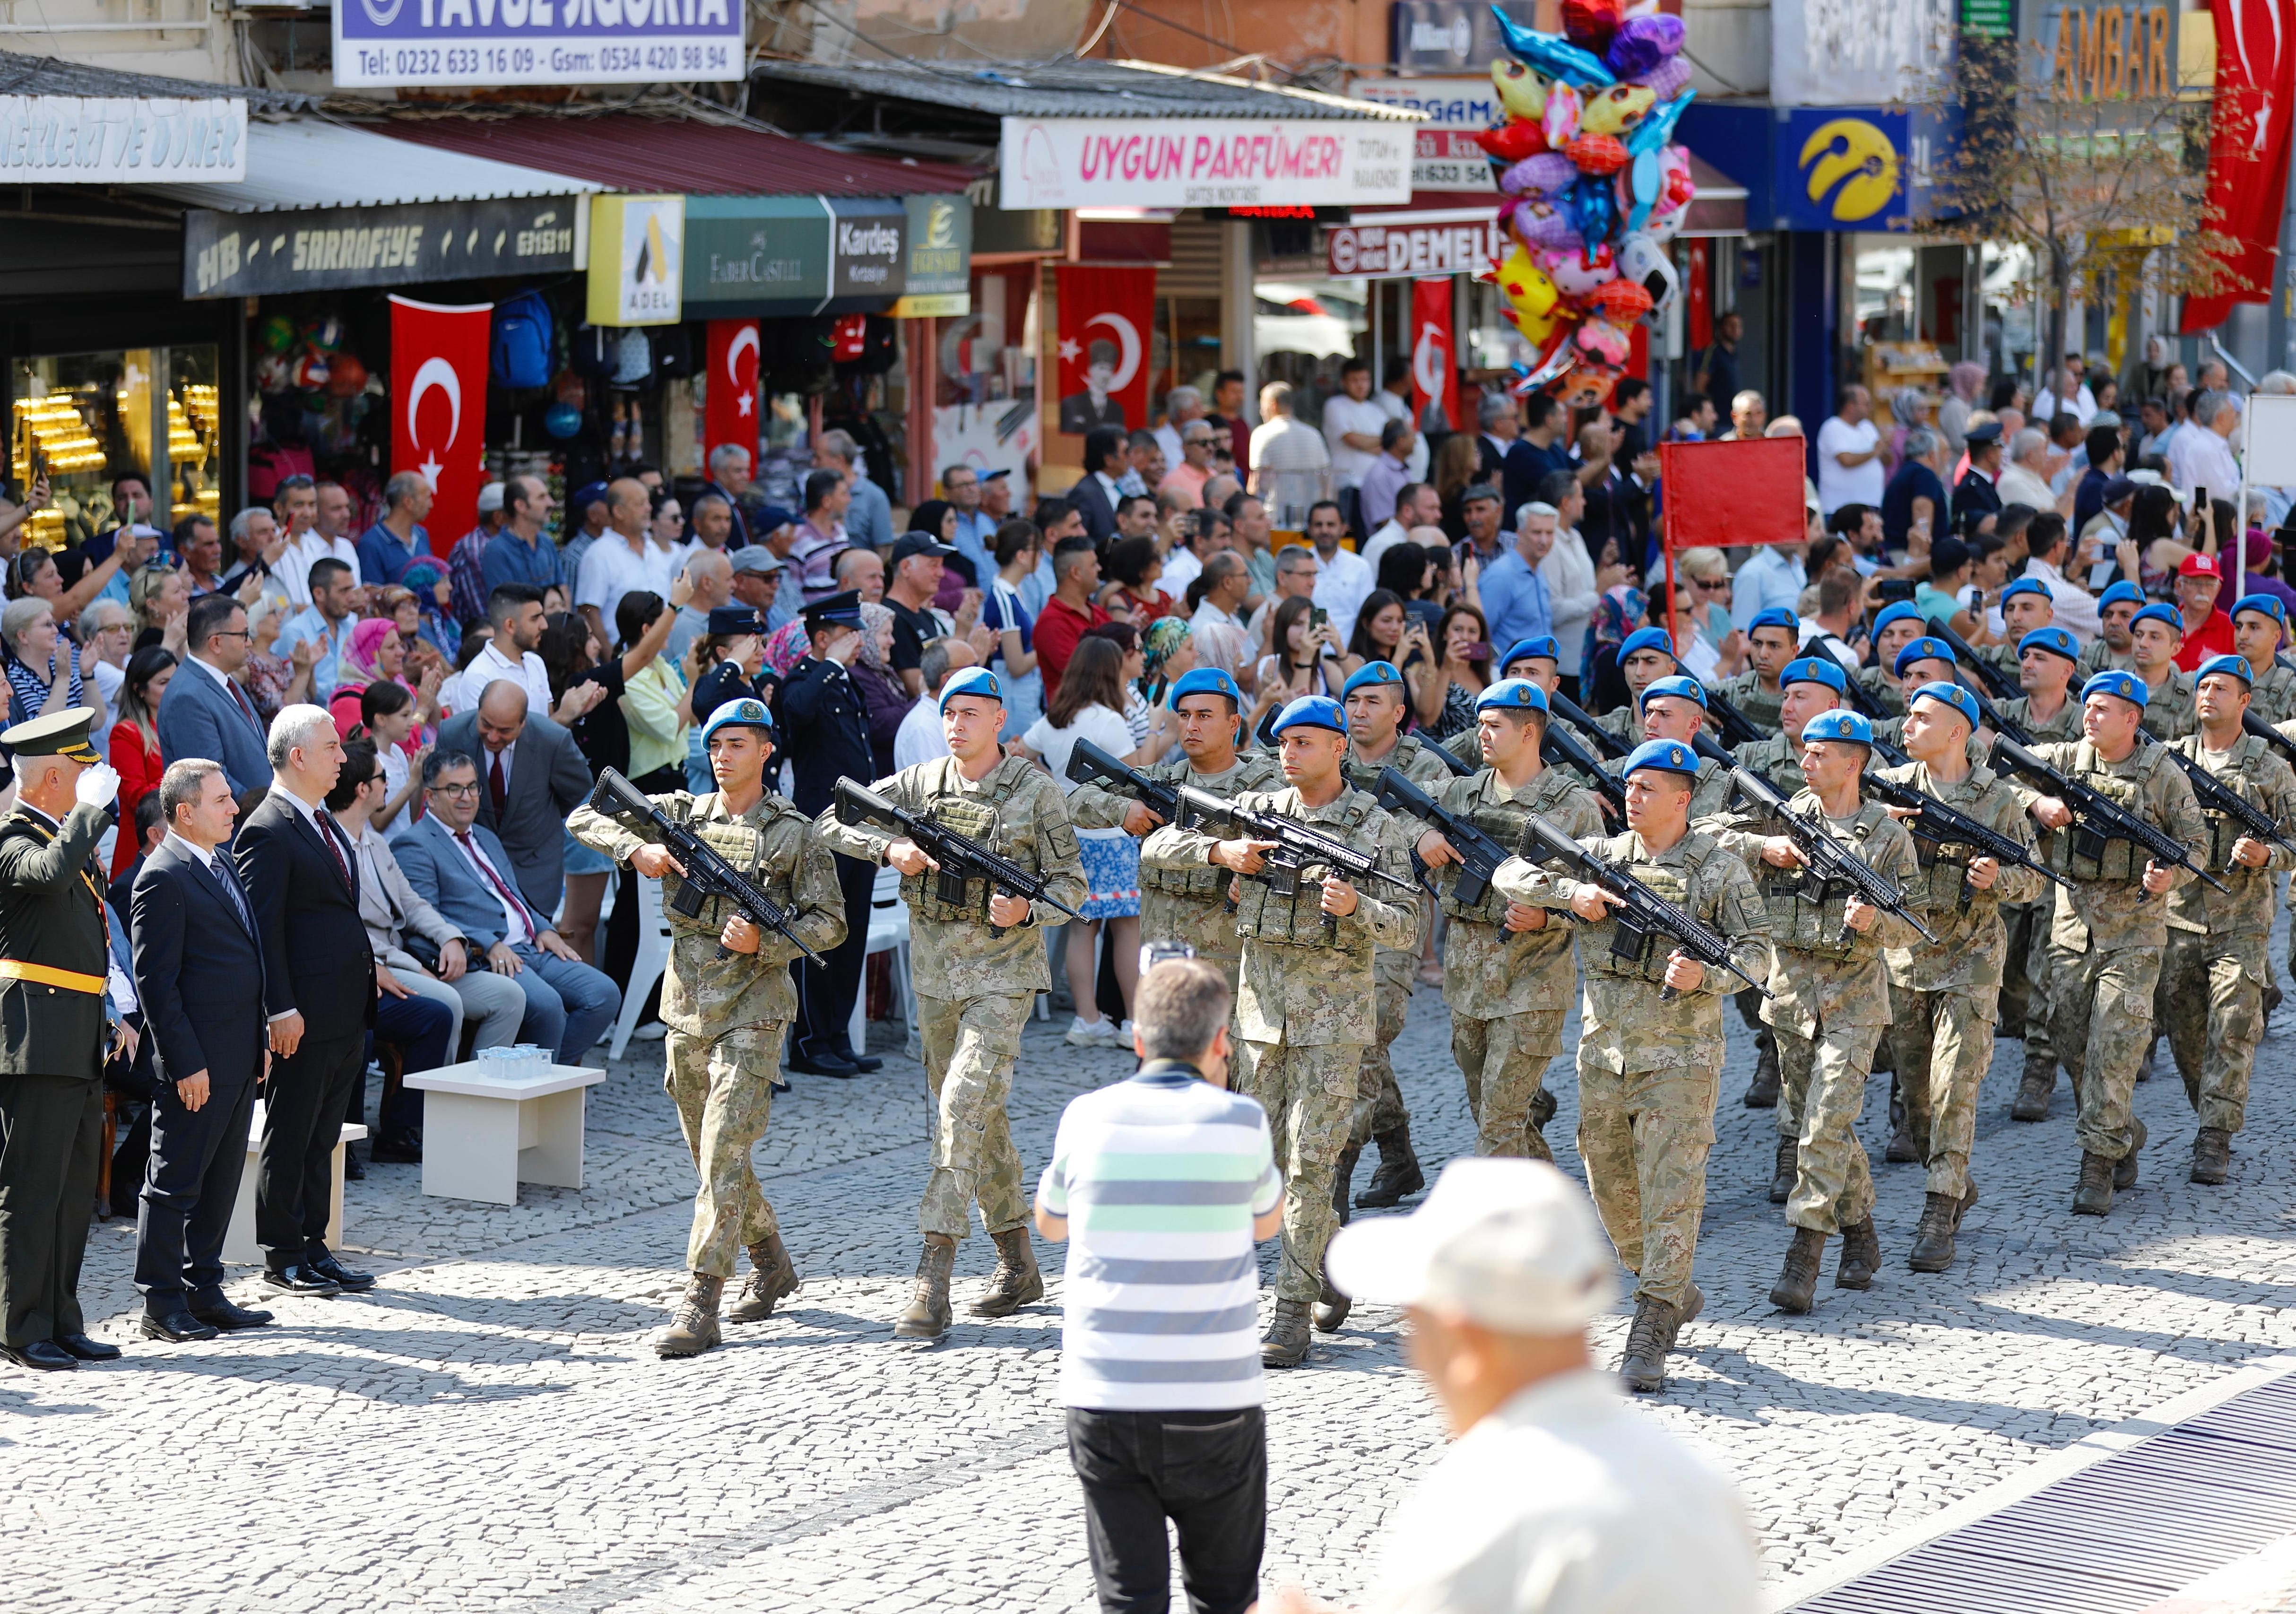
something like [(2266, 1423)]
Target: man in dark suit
[(1093, 407), (828, 732), (199, 973), (531, 777), (1975, 496), (1095, 495), (149, 830), (54, 973), (318, 992), (206, 711)]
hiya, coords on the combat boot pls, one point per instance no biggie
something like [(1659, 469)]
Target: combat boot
[(1933, 1249), (1644, 1367), (2033, 1090), (1398, 1174), (1016, 1281), (1861, 1255), (2124, 1169), (1331, 1308), (1286, 1341), (693, 1329), (1762, 1091), (1782, 1179), (2211, 1155), (928, 1315), (771, 1275), (1343, 1178), (1796, 1290), (2094, 1196)]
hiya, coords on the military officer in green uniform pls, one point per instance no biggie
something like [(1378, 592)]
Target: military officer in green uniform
[(54, 1024), (2114, 651), (1645, 656), (727, 1000), (2047, 658)]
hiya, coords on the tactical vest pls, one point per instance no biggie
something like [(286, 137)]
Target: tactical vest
[(934, 894), (1503, 821), (2118, 860), (1610, 950), (1298, 920), (739, 843), (1805, 916), (2223, 830), (1404, 759), (1199, 882)]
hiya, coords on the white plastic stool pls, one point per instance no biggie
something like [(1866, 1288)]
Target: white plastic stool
[(888, 932), (653, 960)]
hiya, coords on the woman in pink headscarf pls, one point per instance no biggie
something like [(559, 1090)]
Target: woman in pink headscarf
[(377, 654)]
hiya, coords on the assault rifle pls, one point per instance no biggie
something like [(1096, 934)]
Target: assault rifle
[(2218, 796), (707, 873), (1736, 728), (1829, 862), (1298, 847), (960, 858), (1603, 740), (1458, 765), (2097, 818), (1089, 764), (1642, 912), (1560, 749), (2254, 724), (1480, 856), (1996, 683), (1943, 826)]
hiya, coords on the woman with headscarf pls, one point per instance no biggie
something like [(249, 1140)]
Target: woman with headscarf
[(377, 654), (1909, 407), (1168, 650), (427, 587), (1618, 613), (1961, 383), (883, 695)]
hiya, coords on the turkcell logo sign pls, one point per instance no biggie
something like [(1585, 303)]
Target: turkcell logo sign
[(381, 43)]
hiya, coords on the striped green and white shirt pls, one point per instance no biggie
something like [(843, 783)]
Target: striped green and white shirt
[(1160, 1178)]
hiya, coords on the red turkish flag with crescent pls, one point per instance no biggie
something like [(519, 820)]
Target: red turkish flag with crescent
[(439, 408), (2248, 153), (1108, 318), (732, 415), (1433, 373)]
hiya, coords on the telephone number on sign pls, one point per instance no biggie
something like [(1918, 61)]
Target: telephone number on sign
[(569, 61)]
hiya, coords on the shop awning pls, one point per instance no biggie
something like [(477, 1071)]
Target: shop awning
[(1090, 88), (308, 164)]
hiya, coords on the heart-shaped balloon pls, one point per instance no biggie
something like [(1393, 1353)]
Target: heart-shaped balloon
[(1601, 155), (1514, 140), (1590, 24), (1549, 174)]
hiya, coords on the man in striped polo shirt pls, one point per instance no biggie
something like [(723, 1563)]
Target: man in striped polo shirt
[(1161, 1185)]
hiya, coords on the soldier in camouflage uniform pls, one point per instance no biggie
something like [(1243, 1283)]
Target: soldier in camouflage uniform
[(2047, 659), (2026, 604), (1943, 996), (2218, 957), (978, 963), (2114, 651), (2259, 628), (1538, 660), (1895, 627), (1649, 1069), (1675, 708), (1506, 970), (726, 1000), (1646, 657), (1829, 999), (2157, 633), (1307, 1004), (1770, 641), (2109, 928)]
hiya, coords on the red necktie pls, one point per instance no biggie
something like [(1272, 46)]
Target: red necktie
[(319, 821), (496, 880), (497, 785), (240, 695)]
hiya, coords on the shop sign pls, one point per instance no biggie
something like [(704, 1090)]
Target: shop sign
[(1208, 162), (1859, 53), (1449, 36), (939, 281), (432, 43), (85, 140), (247, 255), (2103, 51), (1857, 167), (637, 260), (1445, 156), (796, 254), (1402, 251)]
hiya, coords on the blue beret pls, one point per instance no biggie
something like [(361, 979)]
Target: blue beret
[(1542, 647), (1312, 711), (1776, 616), (1952, 695), (2267, 604), (2116, 592), (1648, 638), (2026, 585), (2167, 614), (2128, 687), (1667, 755), (1903, 611), (2056, 640), (1203, 681), (746, 712), (2235, 666), (1682, 688), (972, 681), (1815, 669), (1839, 725), (1371, 675), (1923, 649), (1512, 695)]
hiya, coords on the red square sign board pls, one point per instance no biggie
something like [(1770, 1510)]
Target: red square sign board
[(1721, 494)]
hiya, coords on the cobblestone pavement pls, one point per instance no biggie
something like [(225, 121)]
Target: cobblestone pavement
[(488, 1430)]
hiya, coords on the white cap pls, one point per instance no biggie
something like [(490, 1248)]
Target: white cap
[(490, 499), (1512, 1244)]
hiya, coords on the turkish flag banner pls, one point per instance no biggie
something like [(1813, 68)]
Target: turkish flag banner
[(1720, 495), (439, 408), (1434, 374), (1107, 317), (731, 414), (2247, 152)]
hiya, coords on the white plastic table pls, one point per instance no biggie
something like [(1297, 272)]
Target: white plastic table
[(238, 1243), (482, 1137)]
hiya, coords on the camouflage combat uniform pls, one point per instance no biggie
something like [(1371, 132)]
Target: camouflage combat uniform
[(1777, 759), (1761, 706), (2025, 973), (1306, 1006), (2273, 695), (1379, 1105), (1708, 797), (1883, 685), (1829, 1004), (1944, 997), (2169, 711), (975, 985), (2098, 657), (2107, 935), (2219, 958), (1509, 991), (1650, 1070), (726, 1016)]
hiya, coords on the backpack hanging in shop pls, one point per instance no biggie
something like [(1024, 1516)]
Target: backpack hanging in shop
[(523, 330)]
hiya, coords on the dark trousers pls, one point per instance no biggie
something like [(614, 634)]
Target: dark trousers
[(417, 1027), (51, 1145), (304, 1104), (1205, 1471), (826, 992), (189, 1190)]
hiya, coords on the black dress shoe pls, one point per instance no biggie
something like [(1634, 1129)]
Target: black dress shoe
[(87, 1350), (823, 1064), (398, 1149), (353, 1172), (177, 1328), (863, 1062), (301, 1280), (44, 1355), (342, 1277), (224, 1314)]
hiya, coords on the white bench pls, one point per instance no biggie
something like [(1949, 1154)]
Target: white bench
[(482, 1137), (239, 1245)]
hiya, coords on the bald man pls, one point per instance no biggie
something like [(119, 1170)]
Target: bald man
[(616, 564)]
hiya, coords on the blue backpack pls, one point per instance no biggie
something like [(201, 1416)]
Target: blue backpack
[(521, 347)]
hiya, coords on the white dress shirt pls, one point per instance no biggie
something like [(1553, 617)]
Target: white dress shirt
[(1343, 414), (462, 690), (294, 572), (612, 568), (919, 739), (2199, 458), (1340, 587), (1570, 592), (1391, 533), (2018, 485)]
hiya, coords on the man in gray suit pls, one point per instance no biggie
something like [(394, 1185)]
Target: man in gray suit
[(206, 711), (531, 776)]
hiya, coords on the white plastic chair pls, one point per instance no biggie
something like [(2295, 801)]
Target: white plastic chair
[(652, 959), (888, 932)]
